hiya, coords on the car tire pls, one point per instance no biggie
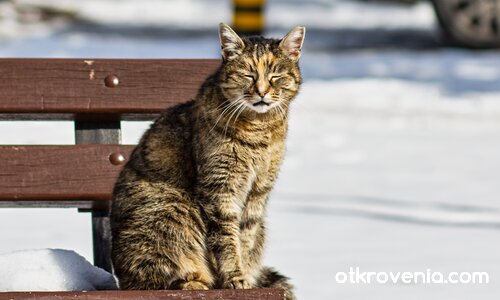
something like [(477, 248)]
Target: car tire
[(470, 23)]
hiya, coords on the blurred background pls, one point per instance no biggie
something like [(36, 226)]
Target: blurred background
[(393, 153)]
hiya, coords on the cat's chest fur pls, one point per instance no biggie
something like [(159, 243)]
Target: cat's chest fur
[(259, 163), (251, 156)]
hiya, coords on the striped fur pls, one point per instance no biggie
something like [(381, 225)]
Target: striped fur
[(188, 208)]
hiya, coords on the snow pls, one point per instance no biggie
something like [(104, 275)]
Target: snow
[(136, 13), (388, 175), (51, 270), (392, 161), (322, 14), (350, 14)]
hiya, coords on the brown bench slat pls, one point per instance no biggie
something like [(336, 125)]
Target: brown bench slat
[(70, 175), (261, 294), (68, 88)]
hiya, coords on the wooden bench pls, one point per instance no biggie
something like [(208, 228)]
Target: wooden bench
[(96, 94)]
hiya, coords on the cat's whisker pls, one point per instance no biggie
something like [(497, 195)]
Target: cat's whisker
[(241, 109), (227, 103), (224, 103), (226, 109), (286, 108), (286, 105), (229, 109), (282, 112), (242, 103)]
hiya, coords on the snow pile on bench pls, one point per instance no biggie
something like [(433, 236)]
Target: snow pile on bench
[(51, 270)]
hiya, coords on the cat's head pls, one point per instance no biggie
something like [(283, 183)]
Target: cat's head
[(260, 74)]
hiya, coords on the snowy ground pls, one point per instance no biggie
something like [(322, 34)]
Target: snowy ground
[(392, 160), (51, 270)]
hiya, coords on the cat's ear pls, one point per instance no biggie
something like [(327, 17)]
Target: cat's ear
[(291, 44), (231, 44)]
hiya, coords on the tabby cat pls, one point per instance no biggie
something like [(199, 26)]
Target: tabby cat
[(188, 208)]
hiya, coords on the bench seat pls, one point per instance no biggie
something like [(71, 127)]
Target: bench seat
[(253, 294)]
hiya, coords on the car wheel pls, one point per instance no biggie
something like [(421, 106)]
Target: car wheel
[(470, 23)]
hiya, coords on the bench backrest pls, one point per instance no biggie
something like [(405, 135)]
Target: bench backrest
[(97, 94)]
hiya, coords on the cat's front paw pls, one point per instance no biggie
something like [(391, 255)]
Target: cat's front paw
[(237, 282), (193, 285)]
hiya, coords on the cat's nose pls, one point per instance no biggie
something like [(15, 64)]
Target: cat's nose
[(262, 94), (261, 88)]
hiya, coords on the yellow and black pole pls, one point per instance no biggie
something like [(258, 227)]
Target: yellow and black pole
[(248, 18)]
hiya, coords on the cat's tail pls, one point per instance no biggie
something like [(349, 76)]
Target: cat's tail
[(270, 278)]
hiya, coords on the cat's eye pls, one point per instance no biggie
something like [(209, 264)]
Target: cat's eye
[(274, 78), (250, 76)]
